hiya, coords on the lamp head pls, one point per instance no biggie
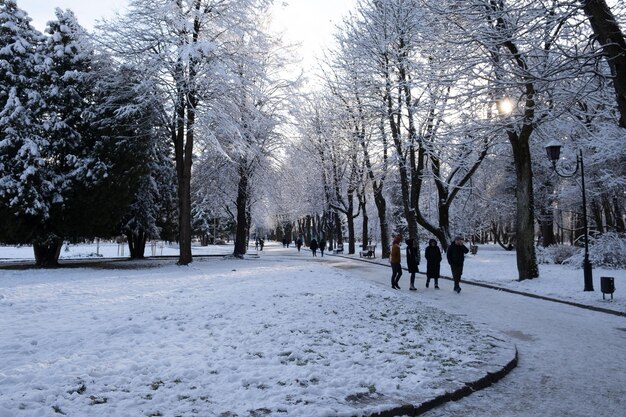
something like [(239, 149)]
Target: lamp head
[(553, 150)]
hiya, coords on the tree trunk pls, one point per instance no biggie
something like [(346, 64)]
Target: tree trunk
[(183, 176), (606, 28), (338, 228), (381, 206), (596, 213), (242, 204), (184, 190), (546, 224), (136, 244), (365, 223), (525, 226), (47, 254), (350, 224), (620, 225)]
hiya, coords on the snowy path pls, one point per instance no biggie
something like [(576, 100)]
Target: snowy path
[(572, 362)]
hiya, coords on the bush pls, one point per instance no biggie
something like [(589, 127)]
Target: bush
[(607, 250), (556, 254)]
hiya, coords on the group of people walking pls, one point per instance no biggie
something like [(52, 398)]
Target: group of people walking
[(455, 256), (314, 245)]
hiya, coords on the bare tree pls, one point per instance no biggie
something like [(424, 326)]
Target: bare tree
[(608, 33)]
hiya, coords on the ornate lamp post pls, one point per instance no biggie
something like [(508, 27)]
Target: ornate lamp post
[(553, 150)]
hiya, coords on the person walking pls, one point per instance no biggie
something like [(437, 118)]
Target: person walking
[(299, 243), (394, 259), (313, 246), (456, 257), (433, 262), (322, 246), (411, 261)]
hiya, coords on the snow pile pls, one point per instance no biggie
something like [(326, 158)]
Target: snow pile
[(224, 337)]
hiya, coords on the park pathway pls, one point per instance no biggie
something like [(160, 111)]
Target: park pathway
[(572, 361)]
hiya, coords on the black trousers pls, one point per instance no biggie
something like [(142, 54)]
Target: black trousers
[(457, 271)]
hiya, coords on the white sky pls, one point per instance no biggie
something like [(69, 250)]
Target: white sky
[(308, 22)]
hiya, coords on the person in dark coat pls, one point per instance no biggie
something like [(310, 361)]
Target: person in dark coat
[(298, 244), (456, 257), (411, 261), (322, 246), (433, 262), (313, 246)]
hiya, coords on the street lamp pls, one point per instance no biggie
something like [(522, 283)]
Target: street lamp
[(553, 150)]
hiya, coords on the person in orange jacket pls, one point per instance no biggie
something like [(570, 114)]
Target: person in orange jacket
[(394, 259)]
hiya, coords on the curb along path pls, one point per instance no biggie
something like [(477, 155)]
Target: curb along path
[(470, 387)]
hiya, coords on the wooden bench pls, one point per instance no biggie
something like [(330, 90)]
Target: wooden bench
[(369, 252), (338, 249)]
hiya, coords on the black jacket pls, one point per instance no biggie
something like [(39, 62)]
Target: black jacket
[(411, 256), (456, 254), (433, 261)]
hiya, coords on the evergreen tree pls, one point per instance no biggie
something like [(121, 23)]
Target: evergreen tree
[(153, 208), (25, 191), (69, 159)]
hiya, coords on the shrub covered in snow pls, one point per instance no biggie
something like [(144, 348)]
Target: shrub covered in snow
[(607, 250), (556, 254)]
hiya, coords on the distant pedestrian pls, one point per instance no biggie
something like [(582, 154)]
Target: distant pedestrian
[(394, 259), (412, 261), (322, 246), (456, 257), (256, 244), (299, 244), (433, 262), (313, 246), (261, 243)]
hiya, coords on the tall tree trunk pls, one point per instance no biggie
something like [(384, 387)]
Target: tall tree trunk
[(608, 212), (47, 253), (596, 213), (546, 224), (338, 228), (184, 196), (365, 221), (242, 204), (381, 207), (525, 226), (394, 118), (415, 158), (136, 244), (606, 28), (350, 224), (620, 225)]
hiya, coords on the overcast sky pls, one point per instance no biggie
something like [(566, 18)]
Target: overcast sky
[(309, 22)]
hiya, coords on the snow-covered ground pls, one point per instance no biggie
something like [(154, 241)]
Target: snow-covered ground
[(272, 335), (286, 334)]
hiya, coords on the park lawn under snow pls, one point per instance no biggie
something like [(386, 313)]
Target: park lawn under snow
[(224, 337)]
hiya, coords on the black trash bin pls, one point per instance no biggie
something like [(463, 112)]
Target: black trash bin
[(607, 286)]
